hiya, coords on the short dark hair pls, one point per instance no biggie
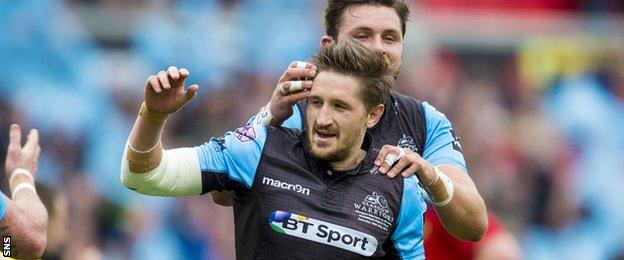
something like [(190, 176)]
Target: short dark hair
[(336, 8), (350, 57)]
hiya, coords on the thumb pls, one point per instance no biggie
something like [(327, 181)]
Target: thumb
[(190, 92)]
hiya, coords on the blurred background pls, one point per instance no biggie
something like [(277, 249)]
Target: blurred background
[(534, 88)]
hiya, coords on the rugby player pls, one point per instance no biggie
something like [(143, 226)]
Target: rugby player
[(314, 193), (23, 217), (414, 131)]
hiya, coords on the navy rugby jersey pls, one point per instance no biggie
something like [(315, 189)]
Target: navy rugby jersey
[(288, 204)]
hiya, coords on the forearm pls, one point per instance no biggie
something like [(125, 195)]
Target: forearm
[(145, 149), (26, 221), (465, 216)]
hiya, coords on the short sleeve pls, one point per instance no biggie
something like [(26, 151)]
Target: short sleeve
[(442, 144), (235, 156)]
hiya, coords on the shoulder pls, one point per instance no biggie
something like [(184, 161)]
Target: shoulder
[(433, 116), (405, 100)]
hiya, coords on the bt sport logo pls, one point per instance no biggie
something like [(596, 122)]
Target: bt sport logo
[(322, 232)]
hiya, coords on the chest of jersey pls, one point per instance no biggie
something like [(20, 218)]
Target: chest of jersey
[(308, 213)]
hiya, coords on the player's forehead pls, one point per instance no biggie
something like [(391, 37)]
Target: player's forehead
[(369, 17), (335, 86)]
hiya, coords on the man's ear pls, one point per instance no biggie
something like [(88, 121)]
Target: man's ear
[(375, 115), (326, 40)]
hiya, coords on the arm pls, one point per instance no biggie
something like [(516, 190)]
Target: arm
[(465, 216), (281, 110), (25, 218), (142, 163), (184, 171), (442, 172), (164, 95)]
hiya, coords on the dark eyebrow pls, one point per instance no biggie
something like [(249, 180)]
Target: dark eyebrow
[(342, 103), (362, 29)]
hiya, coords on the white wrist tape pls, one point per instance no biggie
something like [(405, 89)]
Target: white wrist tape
[(19, 171), (178, 174), (448, 185), (264, 117), (21, 186)]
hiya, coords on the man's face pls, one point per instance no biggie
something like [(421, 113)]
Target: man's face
[(336, 117), (375, 26)]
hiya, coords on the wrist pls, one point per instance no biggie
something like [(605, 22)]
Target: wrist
[(441, 189), (22, 188), (150, 117), (20, 175), (265, 117)]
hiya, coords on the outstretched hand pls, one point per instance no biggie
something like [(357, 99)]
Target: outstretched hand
[(165, 92)]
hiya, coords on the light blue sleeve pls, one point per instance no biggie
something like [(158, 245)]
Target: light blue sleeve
[(3, 205), (236, 154), (408, 236), (293, 121), (442, 145)]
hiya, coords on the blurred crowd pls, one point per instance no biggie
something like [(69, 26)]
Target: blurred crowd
[(541, 121)]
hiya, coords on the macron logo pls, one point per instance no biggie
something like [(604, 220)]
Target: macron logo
[(285, 185)]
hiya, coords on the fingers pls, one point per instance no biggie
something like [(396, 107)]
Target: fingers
[(152, 82), (191, 92), (289, 87), (381, 157), (15, 138), (32, 142), (177, 77), (301, 65), (184, 73), (163, 78), (297, 71), (173, 72), (398, 167)]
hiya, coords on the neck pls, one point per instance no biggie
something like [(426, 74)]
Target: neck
[(350, 162)]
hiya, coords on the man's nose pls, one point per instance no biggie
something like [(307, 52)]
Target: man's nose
[(324, 117)]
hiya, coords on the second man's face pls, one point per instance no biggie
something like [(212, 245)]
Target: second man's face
[(375, 26), (336, 117)]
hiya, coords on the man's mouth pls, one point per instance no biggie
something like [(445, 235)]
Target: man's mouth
[(324, 135)]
